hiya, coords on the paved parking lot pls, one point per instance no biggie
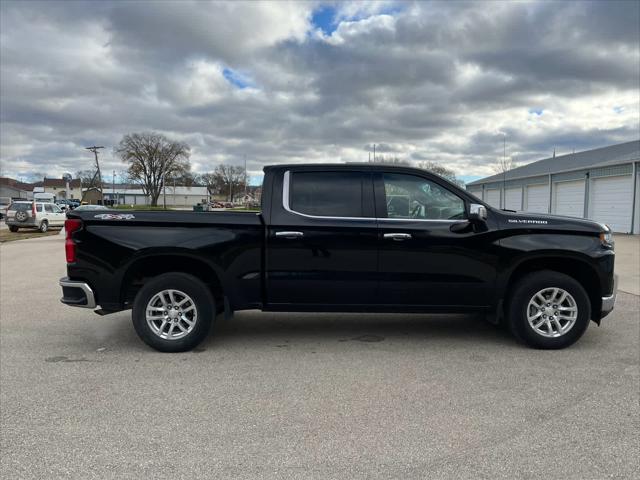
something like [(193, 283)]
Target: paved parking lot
[(306, 396)]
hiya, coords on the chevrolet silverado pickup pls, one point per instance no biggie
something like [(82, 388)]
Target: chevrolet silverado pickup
[(343, 238)]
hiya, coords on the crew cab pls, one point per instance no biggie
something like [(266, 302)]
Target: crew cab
[(343, 238)]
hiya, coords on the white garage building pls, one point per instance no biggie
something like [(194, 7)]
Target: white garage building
[(601, 184)]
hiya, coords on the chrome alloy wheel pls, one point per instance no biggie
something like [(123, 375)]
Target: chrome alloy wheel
[(171, 314), (552, 312)]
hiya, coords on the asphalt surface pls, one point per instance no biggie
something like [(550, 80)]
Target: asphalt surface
[(305, 396)]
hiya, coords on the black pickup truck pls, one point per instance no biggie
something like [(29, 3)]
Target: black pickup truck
[(348, 238)]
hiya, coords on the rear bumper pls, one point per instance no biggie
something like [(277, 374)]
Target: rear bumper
[(28, 223), (608, 302), (77, 294)]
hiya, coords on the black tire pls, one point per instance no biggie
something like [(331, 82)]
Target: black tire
[(13, 228), (44, 226), (524, 291), (194, 288)]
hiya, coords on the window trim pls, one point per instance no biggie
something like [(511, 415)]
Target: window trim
[(286, 185)]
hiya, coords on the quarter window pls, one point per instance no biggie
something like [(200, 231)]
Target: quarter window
[(328, 194), (412, 197)]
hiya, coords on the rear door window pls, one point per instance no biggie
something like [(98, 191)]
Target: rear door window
[(20, 206), (48, 208), (331, 194)]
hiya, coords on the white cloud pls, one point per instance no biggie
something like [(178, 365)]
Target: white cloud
[(431, 80)]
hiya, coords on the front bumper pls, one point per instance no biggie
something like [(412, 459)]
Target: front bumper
[(77, 294), (609, 301)]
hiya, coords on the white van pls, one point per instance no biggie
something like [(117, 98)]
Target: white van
[(44, 197)]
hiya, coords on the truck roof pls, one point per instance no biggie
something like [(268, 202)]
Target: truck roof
[(341, 166)]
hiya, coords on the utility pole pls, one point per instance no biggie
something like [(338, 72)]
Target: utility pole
[(245, 178), (504, 170), (374, 153), (95, 149), (164, 191)]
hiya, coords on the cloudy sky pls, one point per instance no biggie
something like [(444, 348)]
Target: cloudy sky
[(316, 81)]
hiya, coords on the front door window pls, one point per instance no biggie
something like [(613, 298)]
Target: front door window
[(416, 198)]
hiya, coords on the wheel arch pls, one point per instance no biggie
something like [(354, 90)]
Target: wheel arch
[(153, 264), (578, 269)]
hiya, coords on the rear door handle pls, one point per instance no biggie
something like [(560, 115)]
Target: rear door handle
[(398, 237), (290, 235)]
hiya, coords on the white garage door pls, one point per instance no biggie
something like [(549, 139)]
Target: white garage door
[(492, 197), (568, 198), (610, 200), (476, 191), (513, 198), (537, 198)]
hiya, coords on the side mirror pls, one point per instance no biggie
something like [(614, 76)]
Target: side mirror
[(477, 212)]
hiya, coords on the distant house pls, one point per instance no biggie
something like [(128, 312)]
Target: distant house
[(91, 196), (60, 188), (177, 196), (14, 189)]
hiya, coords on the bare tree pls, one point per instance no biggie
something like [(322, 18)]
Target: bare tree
[(152, 160), (87, 177), (502, 166), (441, 170), (224, 180), (390, 160), (432, 167)]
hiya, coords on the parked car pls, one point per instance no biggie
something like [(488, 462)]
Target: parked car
[(364, 238), (4, 205), (40, 215), (66, 204)]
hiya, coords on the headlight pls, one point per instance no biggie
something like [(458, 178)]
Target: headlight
[(606, 238)]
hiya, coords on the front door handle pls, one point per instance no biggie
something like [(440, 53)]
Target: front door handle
[(290, 235), (398, 237)]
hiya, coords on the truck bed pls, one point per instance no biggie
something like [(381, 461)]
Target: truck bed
[(114, 245)]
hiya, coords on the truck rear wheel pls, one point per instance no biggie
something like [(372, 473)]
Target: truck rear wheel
[(173, 312), (548, 310)]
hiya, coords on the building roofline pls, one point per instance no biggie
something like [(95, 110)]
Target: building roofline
[(496, 178)]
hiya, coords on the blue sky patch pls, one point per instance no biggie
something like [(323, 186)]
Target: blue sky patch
[(618, 109), (324, 19), (536, 111), (237, 79), (469, 178)]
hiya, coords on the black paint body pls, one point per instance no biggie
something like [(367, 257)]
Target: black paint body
[(340, 264)]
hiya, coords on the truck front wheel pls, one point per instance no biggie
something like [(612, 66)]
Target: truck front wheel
[(173, 312), (548, 310)]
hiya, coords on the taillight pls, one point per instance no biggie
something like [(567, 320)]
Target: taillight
[(70, 226), (33, 209)]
